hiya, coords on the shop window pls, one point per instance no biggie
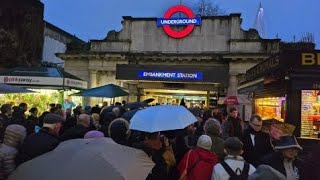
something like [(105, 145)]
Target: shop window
[(310, 113), (271, 108)]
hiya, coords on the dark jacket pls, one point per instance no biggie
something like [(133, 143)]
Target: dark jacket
[(254, 154), (37, 144), (232, 127), (75, 132), (4, 122), (159, 171), (275, 160)]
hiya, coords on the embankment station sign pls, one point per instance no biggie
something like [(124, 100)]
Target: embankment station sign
[(169, 75)]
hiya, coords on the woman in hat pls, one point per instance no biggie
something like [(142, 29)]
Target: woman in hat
[(285, 158)]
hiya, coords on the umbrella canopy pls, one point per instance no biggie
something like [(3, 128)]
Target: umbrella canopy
[(236, 100), (83, 159), (107, 91), (7, 89), (148, 100), (135, 105), (129, 114), (162, 118)]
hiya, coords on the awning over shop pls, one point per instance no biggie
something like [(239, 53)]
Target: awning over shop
[(42, 77)]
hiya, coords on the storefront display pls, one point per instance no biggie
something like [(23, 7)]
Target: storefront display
[(310, 113), (271, 108)]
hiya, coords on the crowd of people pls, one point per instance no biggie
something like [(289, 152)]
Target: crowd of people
[(216, 147)]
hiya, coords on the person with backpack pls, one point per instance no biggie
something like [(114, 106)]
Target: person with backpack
[(234, 166), (197, 164)]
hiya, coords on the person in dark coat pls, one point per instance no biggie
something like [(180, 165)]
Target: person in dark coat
[(42, 142), (256, 144), (233, 125), (119, 131), (78, 131), (151, 145), (311, 164), (212, 128), (285, 160), (5, 118)]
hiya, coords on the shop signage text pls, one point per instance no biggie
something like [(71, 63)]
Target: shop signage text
[(263, 68), (167, 22), (169, 75), (310, 59)]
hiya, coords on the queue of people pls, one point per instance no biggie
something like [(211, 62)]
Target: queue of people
[(215, 147)]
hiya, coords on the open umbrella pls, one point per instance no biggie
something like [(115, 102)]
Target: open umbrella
[(83, 159), (135, 105), (236, 100), (7, 89), (107, 91), (148, 100), (162, 118)]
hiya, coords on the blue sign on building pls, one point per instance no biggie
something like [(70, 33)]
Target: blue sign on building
[(170, 75), (179, 21)]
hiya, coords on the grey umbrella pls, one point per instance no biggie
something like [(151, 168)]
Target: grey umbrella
[(83, 159), (7, 89)]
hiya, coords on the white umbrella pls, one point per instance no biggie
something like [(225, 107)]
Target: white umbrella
[(87, 159), (162, 118)]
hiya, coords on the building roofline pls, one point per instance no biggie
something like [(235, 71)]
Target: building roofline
[(61, 31)]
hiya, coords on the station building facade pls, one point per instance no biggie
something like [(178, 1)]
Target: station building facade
[(202, 67)]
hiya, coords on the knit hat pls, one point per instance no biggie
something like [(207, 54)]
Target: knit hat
[(52, 118), (119, 130), (204, 142), (93, 134)]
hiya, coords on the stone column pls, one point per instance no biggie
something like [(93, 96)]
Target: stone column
[(92, 84), (233, 84), (208, 99)]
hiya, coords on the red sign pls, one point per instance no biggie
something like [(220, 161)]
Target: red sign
[(231, 100), (189, 27)]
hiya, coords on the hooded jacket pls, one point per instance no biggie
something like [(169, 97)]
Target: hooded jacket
[(200, 164)]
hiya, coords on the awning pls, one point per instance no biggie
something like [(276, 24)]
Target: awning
[(42, 77), (252, 86)]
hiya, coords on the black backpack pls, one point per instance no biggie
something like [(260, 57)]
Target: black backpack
[(233, 176)]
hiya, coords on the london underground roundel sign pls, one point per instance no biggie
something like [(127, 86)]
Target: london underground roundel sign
[(167, 22)]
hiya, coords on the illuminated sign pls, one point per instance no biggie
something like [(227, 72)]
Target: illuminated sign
[(167, 22), (310, 59), (169, 75)]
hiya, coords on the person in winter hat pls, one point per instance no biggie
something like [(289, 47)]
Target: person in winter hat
[(197, 164), (13, 138), (212, 128), (119, 131)]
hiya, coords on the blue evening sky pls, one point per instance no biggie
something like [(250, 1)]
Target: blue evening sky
[(92, 19)]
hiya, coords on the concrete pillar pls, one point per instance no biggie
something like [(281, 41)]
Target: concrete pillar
[(208, 99), (233, 84), (92, 84)]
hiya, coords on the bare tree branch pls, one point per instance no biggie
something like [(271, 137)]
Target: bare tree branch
[(207, 8)]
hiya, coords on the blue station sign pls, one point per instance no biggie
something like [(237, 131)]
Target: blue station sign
[(170, 75)]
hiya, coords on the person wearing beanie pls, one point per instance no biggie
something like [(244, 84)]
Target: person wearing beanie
[(13, 137), (119, 131), (42, 142), (233, 166), (212, 128), (197, 164)]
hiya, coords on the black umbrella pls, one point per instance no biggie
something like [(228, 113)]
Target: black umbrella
[(129, 114), (148, 100), (108, 91), (135, 105)]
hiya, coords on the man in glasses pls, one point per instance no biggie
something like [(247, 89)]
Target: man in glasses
[(256, 143)]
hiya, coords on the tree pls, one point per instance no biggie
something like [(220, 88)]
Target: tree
[(207, 8), (307, 38)]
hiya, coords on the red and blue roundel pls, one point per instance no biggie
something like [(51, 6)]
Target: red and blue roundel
[(167, 22)]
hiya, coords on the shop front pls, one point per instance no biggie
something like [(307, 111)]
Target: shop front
[(287, 88), (51, 85)]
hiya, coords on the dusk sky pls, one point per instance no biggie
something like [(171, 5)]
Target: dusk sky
[(93, 19)]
